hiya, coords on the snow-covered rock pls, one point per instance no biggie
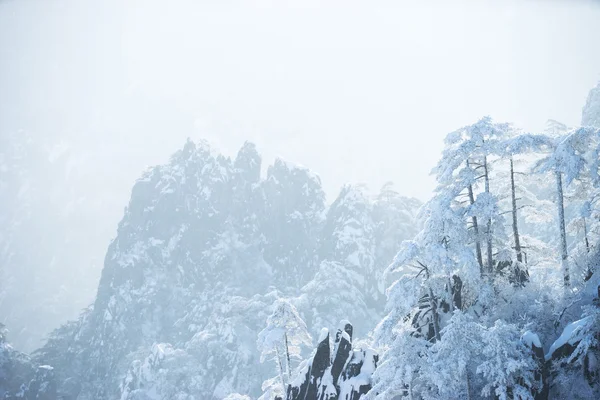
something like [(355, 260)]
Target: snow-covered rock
[(344, 375)]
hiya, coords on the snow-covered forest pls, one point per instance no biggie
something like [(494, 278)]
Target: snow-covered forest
[(148, 252)]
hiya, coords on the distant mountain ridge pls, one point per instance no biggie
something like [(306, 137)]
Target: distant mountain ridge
[(204, 249)]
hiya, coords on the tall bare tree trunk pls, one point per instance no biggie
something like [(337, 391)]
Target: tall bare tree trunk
[(280, 366), (287, 357), (434, 315), (450, 292), (475, 228), (563, 234), (588, 270), (585, 235), (490, 262), (514, 213), (468, 386)]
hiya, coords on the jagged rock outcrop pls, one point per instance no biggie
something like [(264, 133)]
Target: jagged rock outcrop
[(573, 359), (540, 385), (343, 373)]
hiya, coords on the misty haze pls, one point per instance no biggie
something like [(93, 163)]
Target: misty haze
[(299, 200)]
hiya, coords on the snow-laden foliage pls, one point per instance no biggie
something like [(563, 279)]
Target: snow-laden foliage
[(285, 328), (574, 356), (282, 339), (508, 367), (462, 343)]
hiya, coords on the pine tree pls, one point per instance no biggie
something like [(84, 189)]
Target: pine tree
[(567, 162), (282, 338), (466, 161)]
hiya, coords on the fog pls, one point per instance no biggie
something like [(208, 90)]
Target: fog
[(357, 91)]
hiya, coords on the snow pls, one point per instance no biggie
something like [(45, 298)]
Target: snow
[(346, 336), (129, 258), (58, 150), (285, 329), (237, 396), (323, 335), (301, 372), (327, 388), (367, 358), (531, 339), (570, 335), (155, 242)]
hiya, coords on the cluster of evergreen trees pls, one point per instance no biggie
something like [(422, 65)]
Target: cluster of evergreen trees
[(480, 301)]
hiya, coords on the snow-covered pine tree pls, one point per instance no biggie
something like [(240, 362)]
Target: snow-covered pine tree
[(520, 200), (465, 162), (445, 310), (282, 338), (566, 161), (436, 254)]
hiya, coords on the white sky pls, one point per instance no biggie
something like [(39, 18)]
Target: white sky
[(359, 91)]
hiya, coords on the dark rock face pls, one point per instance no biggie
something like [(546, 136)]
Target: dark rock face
[(343, 348), (572, 360), (346, 375), (321, 361)]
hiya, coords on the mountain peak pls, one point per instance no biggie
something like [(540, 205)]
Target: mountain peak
[(591, 111)]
